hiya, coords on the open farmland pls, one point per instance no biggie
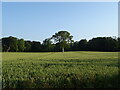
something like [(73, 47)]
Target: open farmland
[(60, 70)]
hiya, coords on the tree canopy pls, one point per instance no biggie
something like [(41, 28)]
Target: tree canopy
[(62, 39)]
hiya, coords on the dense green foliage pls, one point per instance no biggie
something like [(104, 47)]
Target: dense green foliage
[(47, 45), (12, 44), (60, 70), (63, 38), (21, 45)]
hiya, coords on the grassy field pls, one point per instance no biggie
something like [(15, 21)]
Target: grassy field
[(60, 70)]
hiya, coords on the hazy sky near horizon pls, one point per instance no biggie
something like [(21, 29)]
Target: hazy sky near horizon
[(40, 20)]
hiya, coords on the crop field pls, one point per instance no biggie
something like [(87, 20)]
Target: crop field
[(60, 70)]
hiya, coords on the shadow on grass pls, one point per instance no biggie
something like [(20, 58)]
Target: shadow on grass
[(67, 81), (47, 65)]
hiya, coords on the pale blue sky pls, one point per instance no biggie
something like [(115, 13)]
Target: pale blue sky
[(40, 20)]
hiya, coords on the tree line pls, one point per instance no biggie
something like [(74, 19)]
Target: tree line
[(62, 41)]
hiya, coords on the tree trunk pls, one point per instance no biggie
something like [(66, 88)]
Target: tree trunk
[(63, 49), (8, 49)]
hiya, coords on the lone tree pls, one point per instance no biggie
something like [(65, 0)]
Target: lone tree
[(63, 38)]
